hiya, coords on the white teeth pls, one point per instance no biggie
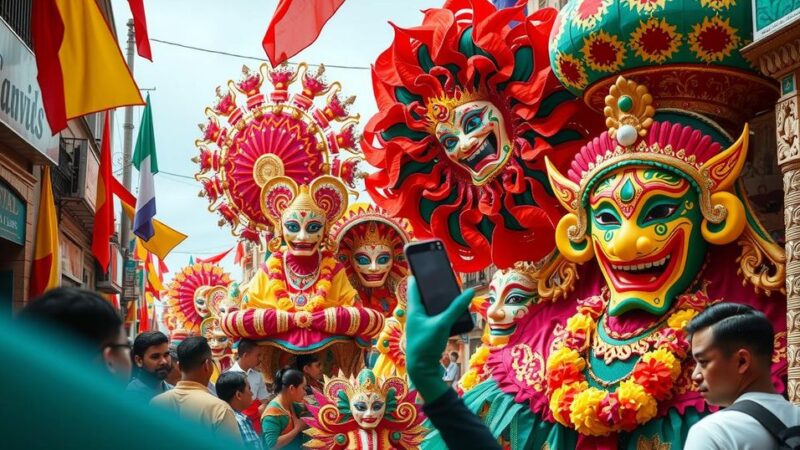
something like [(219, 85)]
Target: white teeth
[(643, 266)]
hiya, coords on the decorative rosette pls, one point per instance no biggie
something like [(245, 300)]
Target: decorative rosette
[(252, 136), (597, 412), (194, 294)]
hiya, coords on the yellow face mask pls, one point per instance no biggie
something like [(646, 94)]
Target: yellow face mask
[(646, 230)]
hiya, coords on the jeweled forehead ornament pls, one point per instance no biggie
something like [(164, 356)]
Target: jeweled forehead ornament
[(635, 139)]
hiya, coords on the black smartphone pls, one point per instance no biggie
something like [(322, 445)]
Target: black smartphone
[(436, 281)]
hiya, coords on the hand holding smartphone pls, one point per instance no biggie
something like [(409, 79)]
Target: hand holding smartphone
[(436, 281)]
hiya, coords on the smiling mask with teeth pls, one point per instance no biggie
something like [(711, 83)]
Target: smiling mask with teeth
[(646, 198), (645, 226), (473, 135)]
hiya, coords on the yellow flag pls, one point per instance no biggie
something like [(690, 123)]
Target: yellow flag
[(164, 239)]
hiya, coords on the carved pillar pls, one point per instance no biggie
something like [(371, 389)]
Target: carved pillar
[(777, 54), (788, 146)]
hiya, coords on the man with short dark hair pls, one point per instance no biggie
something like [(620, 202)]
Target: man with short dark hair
[(89, 318), (451, 373), (190, 397), (233, 387), (174, 374), (153, 363), (732, 345), (247, 361)]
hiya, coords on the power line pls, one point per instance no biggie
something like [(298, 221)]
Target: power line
[(177, 175), (256, 58)]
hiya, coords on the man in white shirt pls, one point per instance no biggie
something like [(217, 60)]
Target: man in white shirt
[(733, 345), (451, 373), (247, 361)]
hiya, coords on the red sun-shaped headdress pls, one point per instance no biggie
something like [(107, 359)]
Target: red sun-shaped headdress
[(468, 51), (193, 291)]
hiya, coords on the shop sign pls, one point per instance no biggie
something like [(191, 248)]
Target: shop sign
[(21, 107), (12, 216)]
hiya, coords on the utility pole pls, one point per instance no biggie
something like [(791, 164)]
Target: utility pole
[(125, 224)]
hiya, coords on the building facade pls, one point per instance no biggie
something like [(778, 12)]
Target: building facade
[(26, 145)]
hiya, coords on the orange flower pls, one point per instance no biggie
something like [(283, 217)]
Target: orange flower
[(654, 377)]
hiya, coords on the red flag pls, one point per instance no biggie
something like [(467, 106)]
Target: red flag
[(214, 259), (104, 204), (162, 267), (140, 29), (295, 25), (239, 253), (80, 66)]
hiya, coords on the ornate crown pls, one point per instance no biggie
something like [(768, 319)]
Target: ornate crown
[(635, 139), (440, 108)]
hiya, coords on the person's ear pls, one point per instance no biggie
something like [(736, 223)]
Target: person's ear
[(108, 359), (138, 360), (744, 360)]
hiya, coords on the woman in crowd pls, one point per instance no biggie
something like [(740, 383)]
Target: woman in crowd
[(280, 422)]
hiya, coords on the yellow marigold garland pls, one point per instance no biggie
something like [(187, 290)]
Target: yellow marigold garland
[(597, 412)]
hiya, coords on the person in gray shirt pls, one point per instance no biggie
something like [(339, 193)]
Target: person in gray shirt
[(733, 345)]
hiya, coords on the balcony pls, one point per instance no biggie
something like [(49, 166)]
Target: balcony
[(75, 180), (17, 14)]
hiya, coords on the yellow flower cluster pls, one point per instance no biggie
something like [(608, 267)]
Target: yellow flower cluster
[(666, 358), (632, 394), (681, 318), (584, 412), (567, 357), (480, 356), (562, 414), (581, 323), (469, 380)]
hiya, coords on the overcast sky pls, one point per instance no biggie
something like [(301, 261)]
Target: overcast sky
[(185, 81)]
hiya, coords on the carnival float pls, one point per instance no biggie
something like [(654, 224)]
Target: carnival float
[(604, 144)]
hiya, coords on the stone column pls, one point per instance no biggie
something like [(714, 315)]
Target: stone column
[(778, 56), (788, 146)]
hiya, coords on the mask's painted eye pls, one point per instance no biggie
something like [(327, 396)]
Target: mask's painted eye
[(449, 142), (377, 406), (362, 260), (384, 259), (313, 227), (606, 218), (292, 226), (516, 300), (491, 299), (200, 301), (661, 211), (473, 123), (360, 406)]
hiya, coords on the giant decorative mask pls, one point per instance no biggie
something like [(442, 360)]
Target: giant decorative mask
[(218, 341), (368, 408), (655, 194), (302, 214), (372, 263), (201, 301), (371, 247), (472, 135), (193, 295), (467, 109), (367, 412), (511, 294)]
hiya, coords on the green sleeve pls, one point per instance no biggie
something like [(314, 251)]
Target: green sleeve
[(271, 427)]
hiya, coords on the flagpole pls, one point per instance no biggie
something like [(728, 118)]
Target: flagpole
[(127, 144)]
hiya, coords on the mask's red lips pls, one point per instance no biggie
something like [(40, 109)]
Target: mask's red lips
[(646, 274)]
